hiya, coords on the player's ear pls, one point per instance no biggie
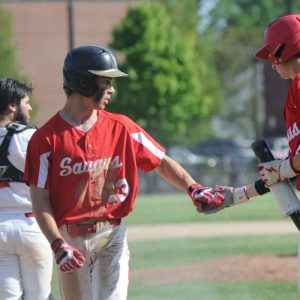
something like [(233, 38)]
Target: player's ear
[(12, 107)]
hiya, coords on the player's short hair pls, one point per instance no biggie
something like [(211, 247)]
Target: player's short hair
[(12, 91)]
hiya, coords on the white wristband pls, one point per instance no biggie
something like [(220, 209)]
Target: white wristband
[(240, 195), (286, 170)]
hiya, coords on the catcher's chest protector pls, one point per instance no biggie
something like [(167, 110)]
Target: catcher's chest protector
[(8, 172)]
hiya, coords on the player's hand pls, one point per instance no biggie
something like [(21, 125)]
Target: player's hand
[(67, 258), (232, 196), (275, 171), (204, 197)]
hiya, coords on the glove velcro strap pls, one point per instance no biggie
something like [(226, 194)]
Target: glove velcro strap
[(287, 169), (193, 187), (56, 244)]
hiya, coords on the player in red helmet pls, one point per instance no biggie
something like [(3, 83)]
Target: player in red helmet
[(82, 167), (281, 40), (281, 48)]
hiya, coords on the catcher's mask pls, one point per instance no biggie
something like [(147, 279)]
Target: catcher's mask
[(281, 39), (83, 64)]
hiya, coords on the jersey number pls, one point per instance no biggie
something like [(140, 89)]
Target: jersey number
[(120, 192)]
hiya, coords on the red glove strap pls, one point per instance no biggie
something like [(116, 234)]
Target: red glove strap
[(193, 187), (56, 244)]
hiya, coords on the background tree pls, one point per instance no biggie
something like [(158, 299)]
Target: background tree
[(172, 91), (7, 53), (183, 13), (237, 29), (8, 61)]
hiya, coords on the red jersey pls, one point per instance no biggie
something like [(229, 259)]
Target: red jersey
[(292, 119), (90, 175)]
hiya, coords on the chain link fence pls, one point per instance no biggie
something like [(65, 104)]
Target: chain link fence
[(226, 171)]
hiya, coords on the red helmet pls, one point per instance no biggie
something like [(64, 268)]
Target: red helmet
[(281, 39)]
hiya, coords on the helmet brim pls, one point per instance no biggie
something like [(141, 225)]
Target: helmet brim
[(262, 53), (108, 73)]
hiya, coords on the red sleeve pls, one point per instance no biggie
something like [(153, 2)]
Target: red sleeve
[(149, 152)]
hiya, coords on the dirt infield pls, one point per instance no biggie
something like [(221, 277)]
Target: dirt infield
[(237, 268), (210, 229)]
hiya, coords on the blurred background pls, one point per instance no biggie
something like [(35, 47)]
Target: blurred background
[(194, 83)]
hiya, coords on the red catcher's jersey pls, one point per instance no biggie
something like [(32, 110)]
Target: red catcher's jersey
[(292, 119), (90, 175)]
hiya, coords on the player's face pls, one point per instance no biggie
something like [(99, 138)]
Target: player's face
[(105, 93), (23, 110), (286, 70)]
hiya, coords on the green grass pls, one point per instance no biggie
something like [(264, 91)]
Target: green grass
[(181, 251), (215, 291), (178, 208), (188, 251)]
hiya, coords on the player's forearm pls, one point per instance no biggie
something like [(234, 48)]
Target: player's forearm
[(255, 189), (48, 225), (43, 213), (174, 173), (295, 162), (251, 190)]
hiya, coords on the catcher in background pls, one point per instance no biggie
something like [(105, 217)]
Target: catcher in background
[(82, 167), (25, 254)]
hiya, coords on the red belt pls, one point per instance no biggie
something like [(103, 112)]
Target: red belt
[(29, 215), (87, 228)]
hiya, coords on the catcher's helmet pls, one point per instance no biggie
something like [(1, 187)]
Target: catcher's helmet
[(83, 64), (281, 39)]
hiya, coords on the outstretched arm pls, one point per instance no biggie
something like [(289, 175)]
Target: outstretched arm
[(234, 196), (176, 175)]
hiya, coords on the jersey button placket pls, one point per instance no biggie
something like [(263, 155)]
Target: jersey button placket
[(88, 143)]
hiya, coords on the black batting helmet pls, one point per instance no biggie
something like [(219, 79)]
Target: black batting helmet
[(83, 64)]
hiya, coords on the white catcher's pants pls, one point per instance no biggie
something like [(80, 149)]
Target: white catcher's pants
[(25, 259), (105, 272)]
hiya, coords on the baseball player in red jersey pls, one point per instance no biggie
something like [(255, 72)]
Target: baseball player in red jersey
[(25, 254), (281, 47), (82, 171)]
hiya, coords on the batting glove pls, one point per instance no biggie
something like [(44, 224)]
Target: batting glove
[(67, 258), (232, 196), (204, 197), (276, 170)]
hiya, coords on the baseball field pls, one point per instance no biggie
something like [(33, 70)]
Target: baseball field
[(248, 252)]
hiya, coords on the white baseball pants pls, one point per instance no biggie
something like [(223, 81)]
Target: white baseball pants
[(105, 272), (25, 259)]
